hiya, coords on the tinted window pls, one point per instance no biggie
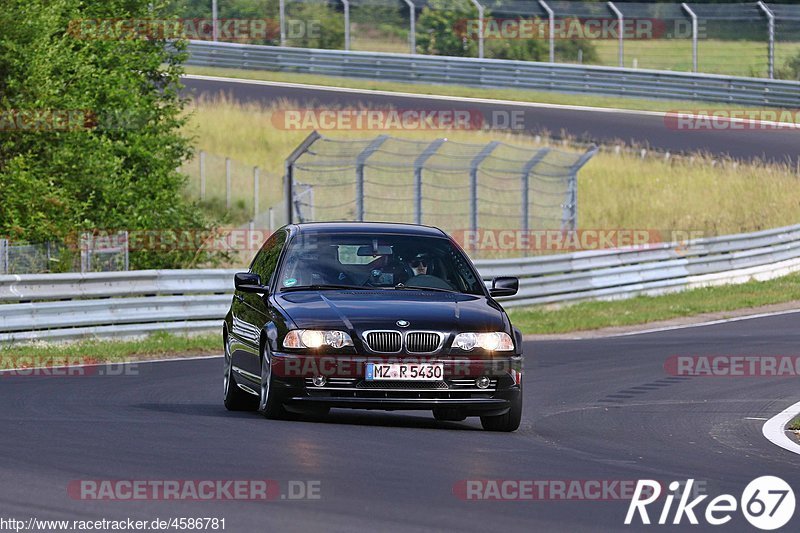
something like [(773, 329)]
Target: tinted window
[(267, 258), (377, 261)]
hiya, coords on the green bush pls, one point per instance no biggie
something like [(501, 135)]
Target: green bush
[(114, 166), (441, 29)]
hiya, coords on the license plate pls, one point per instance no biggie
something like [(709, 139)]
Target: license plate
[(404, 371)]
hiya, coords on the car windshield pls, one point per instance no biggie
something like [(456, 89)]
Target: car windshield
[(400, 262)]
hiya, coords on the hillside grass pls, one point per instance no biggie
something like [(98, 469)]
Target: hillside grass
[(615, 190)]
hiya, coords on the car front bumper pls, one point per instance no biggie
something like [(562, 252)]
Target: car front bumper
[(346, 387)]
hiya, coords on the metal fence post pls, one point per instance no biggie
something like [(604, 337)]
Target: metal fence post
[(693, 16), (288, 177), (214, 21), (361, 160), (569, 215), (126, 252), (551, 23), (419, 163), (3, 256), (282, 21), (771, 31), (621, 33), (526, 176), (480, 30), (473, 184), (228, 183), (412, 32), (202, 175), (255, 191), (346, 24)]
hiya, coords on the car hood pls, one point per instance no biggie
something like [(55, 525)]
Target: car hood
[(362, 310)]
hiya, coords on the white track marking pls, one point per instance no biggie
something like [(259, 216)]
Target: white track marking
[(774, 430)]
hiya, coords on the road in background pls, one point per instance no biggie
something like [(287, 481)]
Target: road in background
[(643, 129)]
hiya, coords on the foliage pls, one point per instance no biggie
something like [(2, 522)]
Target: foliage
[(112, 163)]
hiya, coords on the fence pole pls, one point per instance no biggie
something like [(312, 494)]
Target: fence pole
[(255, 191), (419, 163), (288, 177), (526, 174), (569, 217), (361, 161), (412, 32), (282, 15), (346, 24), (202, 175), (551, 28), (771, 31), (3, 256), (228, 183), (621, 22), (693, 16), (214, 21), (480, 30), (473, 184)]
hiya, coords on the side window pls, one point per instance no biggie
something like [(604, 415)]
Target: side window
[(267, 258)]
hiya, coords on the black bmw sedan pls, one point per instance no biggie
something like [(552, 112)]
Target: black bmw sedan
[(371, 316)]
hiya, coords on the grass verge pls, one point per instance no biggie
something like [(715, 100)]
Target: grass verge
[(155, 346), (644, 309), (520, 95), (794, 425)]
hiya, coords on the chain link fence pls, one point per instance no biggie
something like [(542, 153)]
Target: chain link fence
[(760, 39), (90, 253), (452, 185)]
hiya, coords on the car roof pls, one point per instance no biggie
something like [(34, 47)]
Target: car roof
[(368, 227)]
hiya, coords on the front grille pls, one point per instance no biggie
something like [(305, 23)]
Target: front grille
[(384, 341), (422, 341)]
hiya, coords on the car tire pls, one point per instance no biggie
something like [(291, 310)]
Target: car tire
[(507, 422), (270, 404), (235, 399)]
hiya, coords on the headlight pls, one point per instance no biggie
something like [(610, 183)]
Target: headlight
[(492, 342), (313, 338)]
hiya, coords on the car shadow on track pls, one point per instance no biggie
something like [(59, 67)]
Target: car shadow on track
[(343, 416)]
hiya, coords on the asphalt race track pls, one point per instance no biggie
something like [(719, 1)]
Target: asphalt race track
[(594, 410), (780, 145)]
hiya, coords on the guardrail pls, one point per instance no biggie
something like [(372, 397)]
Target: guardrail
[(497, 73), (140, 302)]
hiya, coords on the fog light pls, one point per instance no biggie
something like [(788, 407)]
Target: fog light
[(319, 381), (482, 382)]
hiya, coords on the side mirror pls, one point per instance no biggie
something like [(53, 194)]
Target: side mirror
[(247, 282), (504, 286)]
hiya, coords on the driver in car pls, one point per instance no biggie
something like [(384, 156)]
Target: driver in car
[(419, 265)]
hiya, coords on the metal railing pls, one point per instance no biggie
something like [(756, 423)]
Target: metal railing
[(197, 300), (728, 37), (495, 73)]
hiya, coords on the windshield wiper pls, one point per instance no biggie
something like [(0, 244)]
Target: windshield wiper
[(319, 287)]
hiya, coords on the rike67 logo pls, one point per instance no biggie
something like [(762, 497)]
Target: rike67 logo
[(767, 503)]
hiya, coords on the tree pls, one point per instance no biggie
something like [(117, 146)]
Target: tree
[(90, 124)]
